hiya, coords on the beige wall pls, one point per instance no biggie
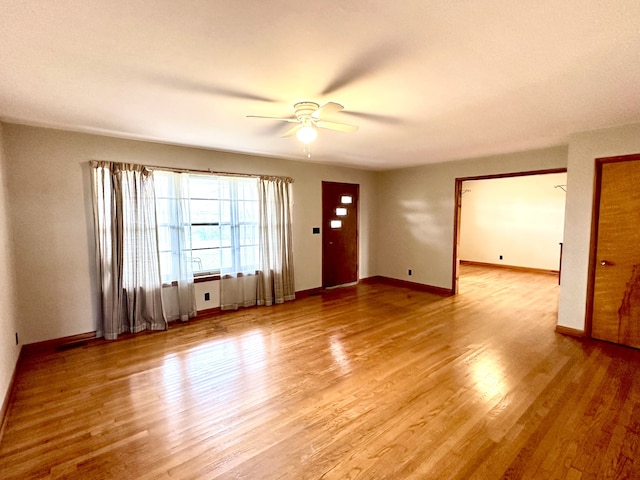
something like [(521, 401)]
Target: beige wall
[(49, 186), (416, 209), (8, 323), (519, 218), (406, 216), (584, 148)]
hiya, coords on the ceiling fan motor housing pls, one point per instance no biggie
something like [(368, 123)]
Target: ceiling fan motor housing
[(305, 109)]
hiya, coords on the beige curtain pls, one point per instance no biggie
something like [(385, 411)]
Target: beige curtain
[(126, 249), (237, 291), (275, 275)]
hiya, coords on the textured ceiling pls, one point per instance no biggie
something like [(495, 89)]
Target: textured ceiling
[(426, 81)]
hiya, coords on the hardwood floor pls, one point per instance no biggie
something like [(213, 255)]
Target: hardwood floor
[(371, 381)]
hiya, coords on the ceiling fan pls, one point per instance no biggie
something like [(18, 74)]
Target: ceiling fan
[(308, 117)]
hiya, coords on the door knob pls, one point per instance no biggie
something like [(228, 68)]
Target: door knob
[(604, 263)]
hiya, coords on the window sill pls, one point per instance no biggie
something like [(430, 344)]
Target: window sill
[(206, 278), (200, 279)]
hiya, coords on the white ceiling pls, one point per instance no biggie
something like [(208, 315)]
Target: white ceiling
[(426, 81)]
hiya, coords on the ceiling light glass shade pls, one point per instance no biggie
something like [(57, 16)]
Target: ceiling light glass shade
[(307, 134)]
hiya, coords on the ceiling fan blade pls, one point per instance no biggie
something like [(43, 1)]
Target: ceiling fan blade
[(374, 117), (292, 131), (231, 92), (328, 108), (269, 129), (289, 119), (340, 127), (364, 65), (205, 87)]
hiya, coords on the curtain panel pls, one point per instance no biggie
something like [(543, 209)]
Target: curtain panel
[(174, 229), (275, 278), (126, 249), (239, 262), (270, 278)]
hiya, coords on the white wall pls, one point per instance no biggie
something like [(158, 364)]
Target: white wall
[(584, 148), (416, 209), (8, 323), (519, 218), (49, 186)]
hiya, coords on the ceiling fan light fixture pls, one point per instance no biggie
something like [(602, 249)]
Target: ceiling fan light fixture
[(308, 117), (307, 134)]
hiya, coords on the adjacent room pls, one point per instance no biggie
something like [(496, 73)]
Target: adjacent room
[(331, 240), (514, 222)]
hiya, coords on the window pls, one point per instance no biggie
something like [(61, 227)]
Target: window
[(219, 223)]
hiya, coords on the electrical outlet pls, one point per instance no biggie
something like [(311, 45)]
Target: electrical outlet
[(409, 272), (207, 297), (500, 257)]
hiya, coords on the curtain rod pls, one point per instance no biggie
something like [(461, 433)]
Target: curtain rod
[(212, 172)]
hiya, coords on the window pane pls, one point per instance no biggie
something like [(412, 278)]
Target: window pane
[(248, 211), (341, 211), (203, 186), (204, 211), (346, 199), (196, 262), (166, 267), (248, 234), (164, 238), (162, 211), (248, 189), (225, 211), (225, 235), (161, 183), (206, 261), (225, 253), (204, 236), (336, 223), (224, 190), (249, 257)]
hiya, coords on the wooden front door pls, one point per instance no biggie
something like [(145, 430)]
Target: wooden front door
[(339, 233), (616, 288)]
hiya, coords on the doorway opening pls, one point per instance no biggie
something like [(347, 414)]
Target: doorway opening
[(508, 221)]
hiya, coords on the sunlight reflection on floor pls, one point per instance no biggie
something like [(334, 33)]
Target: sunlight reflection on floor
[(233, 362), (339, 356), (488, 377)]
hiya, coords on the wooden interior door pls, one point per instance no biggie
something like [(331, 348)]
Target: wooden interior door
[(616, 290), (339, 233)]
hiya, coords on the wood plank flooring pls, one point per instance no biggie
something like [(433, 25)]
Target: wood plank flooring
[(365, 382)]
